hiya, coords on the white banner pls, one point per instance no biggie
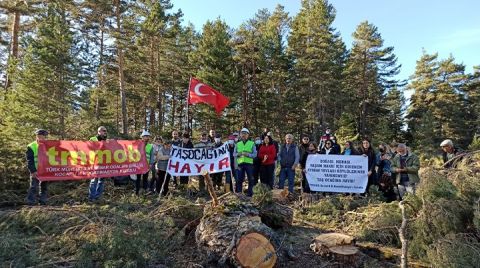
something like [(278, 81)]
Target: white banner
[(337, 173), (192, 162)]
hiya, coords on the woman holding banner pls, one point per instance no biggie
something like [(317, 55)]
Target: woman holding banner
[(367, 151)]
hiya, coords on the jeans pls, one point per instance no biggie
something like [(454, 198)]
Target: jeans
[(96, 188), (242, 169), (284, 174), (266, 174), (32, 191), (141, 177)]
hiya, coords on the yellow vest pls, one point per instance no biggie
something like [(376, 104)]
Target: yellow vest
[(246, 147), (34, 147)]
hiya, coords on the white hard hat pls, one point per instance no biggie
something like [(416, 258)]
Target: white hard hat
[(245, 130), (446, 143), (145, 133)]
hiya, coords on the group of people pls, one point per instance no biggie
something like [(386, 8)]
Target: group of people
[(395, 171)]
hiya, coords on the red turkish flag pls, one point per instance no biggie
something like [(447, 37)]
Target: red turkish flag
[(202, 93)]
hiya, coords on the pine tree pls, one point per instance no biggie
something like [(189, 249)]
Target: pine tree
[(369, 74), (215, 67), (318, 53)]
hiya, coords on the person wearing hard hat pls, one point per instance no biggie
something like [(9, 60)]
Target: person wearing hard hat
[(150, 159), (32, 164), (449, 153), (244, 153), (96, 187)]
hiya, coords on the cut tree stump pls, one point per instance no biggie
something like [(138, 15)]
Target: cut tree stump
[(255, 250), (340, 247), (233, 233)]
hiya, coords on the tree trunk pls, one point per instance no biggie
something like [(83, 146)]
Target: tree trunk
[(121, 76), (235, 234), (101, 73), (13, 56)]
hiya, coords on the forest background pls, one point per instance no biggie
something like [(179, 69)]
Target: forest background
[(71, 66)]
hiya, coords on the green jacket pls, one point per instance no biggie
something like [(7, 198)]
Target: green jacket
[(413, 164)]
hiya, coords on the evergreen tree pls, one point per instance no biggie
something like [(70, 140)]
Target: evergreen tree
[(215, 67), (369, 74), (318, 53)]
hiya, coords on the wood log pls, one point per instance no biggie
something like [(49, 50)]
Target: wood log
[(338, 246), (276, 215), (255, 250), (232, 233)]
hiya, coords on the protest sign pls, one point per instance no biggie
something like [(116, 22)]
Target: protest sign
[(191, 162), (73, 160), (337, 173)]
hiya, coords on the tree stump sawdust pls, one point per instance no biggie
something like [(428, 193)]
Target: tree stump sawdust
[(340, 247), (232, 233)]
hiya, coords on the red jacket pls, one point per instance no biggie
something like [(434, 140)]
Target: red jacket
[(268, 150)]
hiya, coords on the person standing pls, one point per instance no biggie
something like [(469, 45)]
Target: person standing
[(211, 135), (163, 178), (406, 166), (186, 143), (257, 161), (289, 158), (367, 151), (449, 152), (245, 152), (204, 143), (217, 177), (312, 149), (142, 179), (157, 145), (329, 148), (32, 164), (384, 172), (266, 155), (233, 165), (95, 190), (325, 137), (349, 149)]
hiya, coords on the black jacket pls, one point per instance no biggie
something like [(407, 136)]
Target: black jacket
[(30, 160), (334, 150)]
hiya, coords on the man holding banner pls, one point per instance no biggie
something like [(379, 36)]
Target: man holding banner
[(96, 184), (32, 164)]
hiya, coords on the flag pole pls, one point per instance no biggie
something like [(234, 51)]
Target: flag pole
[(188, 100)]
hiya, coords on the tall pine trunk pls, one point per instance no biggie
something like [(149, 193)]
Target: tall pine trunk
[(121, 75), (13, 46)]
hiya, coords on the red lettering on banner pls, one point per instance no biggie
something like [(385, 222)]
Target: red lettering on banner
[(199, 167), (185, 167), (212, 167), (175, 166), (224, 163)]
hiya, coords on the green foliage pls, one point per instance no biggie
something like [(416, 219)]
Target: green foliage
[(455, 251), (376, 223), (475, 145), (262, 194)]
